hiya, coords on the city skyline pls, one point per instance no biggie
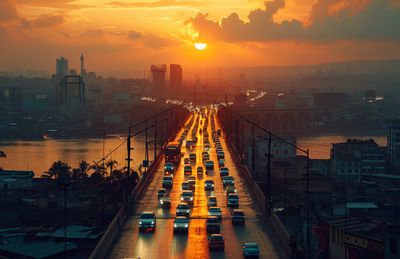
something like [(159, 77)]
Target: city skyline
[(249, 33)]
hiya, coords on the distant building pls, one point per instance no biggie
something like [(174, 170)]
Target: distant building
[(355, 159), (370, 95), (329, 99), (292, 101), (393, 142), (62, 67), (72, 95), (83, 71), (175, 76), (158, 75)]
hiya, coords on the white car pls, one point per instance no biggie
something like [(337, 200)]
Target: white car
[(251, 250)]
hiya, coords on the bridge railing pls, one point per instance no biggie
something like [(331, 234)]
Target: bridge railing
[(175, 118), (277, 176)]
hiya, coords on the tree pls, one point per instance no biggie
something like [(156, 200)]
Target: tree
[(99, 170), (58, 168), (111, 163), (81, 171)]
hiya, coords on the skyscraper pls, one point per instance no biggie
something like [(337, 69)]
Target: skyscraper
[(158, 74), (83, 72), (175, 76), (393, 142), (62, 67)]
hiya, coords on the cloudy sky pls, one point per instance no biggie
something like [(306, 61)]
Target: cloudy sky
[(120, 36)]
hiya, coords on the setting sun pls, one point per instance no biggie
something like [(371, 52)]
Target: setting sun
[(200, 45)]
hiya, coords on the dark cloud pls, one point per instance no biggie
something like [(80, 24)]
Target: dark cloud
[(8, 11), (376, 21), (155, 4), (43, 21), (134, 35)]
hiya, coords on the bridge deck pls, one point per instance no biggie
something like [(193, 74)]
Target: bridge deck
[(164, 244)]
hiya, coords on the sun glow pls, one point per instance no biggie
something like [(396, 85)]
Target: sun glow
[(200, 45)]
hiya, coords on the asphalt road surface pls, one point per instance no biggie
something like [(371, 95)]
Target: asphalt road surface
[(163, 243)]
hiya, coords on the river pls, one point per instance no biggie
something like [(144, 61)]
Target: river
[(39, 155)]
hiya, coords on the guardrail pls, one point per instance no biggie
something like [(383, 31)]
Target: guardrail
[(269, 216), (107, 240)]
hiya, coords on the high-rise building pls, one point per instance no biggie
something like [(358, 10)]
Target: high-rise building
[(72, 96), (158, 74), (83, 72), (175, 76), (393, 142), (62, 67)]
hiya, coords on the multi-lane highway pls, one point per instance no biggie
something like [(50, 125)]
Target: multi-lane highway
[(163, 243)]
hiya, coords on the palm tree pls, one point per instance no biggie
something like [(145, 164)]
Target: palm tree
[(98, 169), (58, 168), (84, 166), (111, 163)]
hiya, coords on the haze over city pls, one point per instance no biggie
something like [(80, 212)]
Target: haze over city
[(123, 38)]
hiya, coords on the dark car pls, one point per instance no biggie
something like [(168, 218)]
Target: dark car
[(238, 217), (233, 200), (216, 242), (212, 225)]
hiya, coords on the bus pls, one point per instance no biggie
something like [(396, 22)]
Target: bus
[(173, 153)]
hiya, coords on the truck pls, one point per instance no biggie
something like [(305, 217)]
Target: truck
[(173, 153)]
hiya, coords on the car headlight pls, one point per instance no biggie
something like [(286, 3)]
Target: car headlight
[(175, 225), (152, 222), (140, 223), (161, 202), (181, 198), (187, 211), (191, 198), (186, 225), (212, 185)]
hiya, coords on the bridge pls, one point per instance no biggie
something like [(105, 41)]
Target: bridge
[(123, 239)]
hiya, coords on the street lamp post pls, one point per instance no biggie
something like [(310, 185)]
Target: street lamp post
[(64, 181)]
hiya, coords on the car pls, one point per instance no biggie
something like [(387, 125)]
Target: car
[(187, 169), (220, 154), (161, 193), (187, 196), (183, 209), (199, 171), (165, 202), (209, 165), (192, 182), (233, 200), (185, 186), (192, 157), (186, 161), (189, 144), (168, 168), (209, 185), (206, 157), (251, 250), (238, 217), (221, 163), (207, 146), (228, 180), (147, 220), (219, 132), (181, 224), (215, 211), (230, 189), (167, 181), (223, 171), (216, 242), (212, 201), (212, 225)]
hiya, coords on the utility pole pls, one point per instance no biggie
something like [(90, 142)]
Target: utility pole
[(155, 139), (269, 201), (128, 149)]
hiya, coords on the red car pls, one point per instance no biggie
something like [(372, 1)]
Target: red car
[(216, 242)]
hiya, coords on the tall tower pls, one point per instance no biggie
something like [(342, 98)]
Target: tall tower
[(62, 67), (82, 65)]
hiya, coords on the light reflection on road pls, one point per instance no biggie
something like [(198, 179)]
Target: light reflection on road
[(164, 244)]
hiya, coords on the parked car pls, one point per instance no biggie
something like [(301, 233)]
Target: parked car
[(251, 250), (181, 224), (147, 220), (216, 242)]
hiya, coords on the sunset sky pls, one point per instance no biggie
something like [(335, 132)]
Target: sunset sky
[(119, 36)]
